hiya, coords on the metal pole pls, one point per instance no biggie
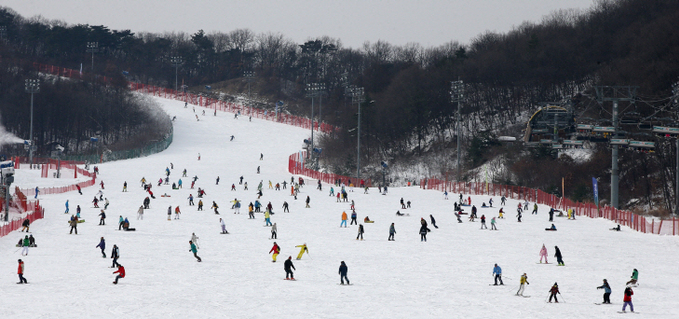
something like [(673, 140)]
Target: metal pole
[(459, 139), (30, 146), (312, 127), (176, 67), (614, 159), (6, 187), (92, 62), (358, 144)]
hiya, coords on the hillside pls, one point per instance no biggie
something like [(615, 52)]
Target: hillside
[(446, 277)]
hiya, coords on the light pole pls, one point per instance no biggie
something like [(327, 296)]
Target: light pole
[(249, 77), (92, 47), (176, 62), (457, 95), (357, 96), (32, 87), (313, 90)]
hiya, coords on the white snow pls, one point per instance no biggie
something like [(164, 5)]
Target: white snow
[(446, 277)]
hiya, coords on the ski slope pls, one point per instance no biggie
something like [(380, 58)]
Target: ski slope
[(446, 277)]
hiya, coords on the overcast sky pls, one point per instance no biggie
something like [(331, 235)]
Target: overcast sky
[(427, 22)]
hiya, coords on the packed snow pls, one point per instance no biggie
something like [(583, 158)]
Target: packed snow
[(449, 276)]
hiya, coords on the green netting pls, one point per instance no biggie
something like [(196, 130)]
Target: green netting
[(108, 155)]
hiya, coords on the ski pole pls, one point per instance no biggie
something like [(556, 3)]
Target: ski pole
[(562, 299)]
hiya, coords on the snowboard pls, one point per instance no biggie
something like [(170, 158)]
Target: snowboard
[(627, 312), (496, 285), (81, 221), (346, 284), (542, 263), (601, 303), (293, 279)]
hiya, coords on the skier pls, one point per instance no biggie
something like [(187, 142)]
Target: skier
[(360, 232), (169, 213), (261, 156), (274, 231), (217, 182), (102, 246), (523, 282), (95, 201), (102, 218), (423, 232), (233, 187), (503, 200), (200, 204), (147, 202), (120, 272), (392, 232), (106, 203), (78, 188), (303, 248), (307, 201), (194, 250), (353, 218), (483, 222), (458, 217), (557, 254), (343, 273), (276, 250), (251, 212), (20, 272), (221, 221), (627, 300), (497, 271), (215, 206), (553, 291), (38, 191), (241, 180), (433, 221), (344, 219), (492, 224), (74, 224), (535, 209), (635, 277), (257, 169), (518, 215), (543, 253), (140, 213), (607, 291), (403, 205), (285, 207), (115, 256), (125, 186), (184, 173), (66, 212), (551, 214), (194, 239), (288, 266), (445, 195), (177, 212), (25, 244), (490, 202)]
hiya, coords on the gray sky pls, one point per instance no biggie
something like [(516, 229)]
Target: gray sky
[(427, 22)]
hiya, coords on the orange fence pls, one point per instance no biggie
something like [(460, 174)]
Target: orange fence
[(296, 166), (51, 164), (19, 201), (625, 218)]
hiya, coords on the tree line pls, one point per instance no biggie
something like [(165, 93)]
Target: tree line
[(407, 109)]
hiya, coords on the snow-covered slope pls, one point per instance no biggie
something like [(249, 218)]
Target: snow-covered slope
[(446, 277)]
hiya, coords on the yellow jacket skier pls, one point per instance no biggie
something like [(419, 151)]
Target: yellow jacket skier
[(303, 248)]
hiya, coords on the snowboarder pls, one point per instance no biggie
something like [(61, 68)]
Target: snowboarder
[(607, 291), (392, 232), (557, 254), (543, 254), (120, 272), (115, 255), (343, 273), (492, 224), (553, 291), (25, 225), (102, 246), (221, 221), (522, 282), (303, 248), (535, 209), (627, 299), (274, 232), (635, 277), (25, 244), (433, 221), (20, 272), (497, 271), (423, 232), (194, 250), (106, 203), (78, 188), (360, 232), (215, 207), (288, 266), (74, 224), (551, 228), (276, 250)]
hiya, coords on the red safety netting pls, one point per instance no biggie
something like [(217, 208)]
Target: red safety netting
[(47, 164), (296, 166), (35, 211), (625, 218)]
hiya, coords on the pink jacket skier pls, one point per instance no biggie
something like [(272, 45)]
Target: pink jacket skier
[(543, 253)]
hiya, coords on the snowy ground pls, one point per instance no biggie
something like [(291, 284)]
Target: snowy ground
[(446, 277)]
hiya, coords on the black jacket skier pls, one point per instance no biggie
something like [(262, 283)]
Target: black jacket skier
[(288, 266)]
